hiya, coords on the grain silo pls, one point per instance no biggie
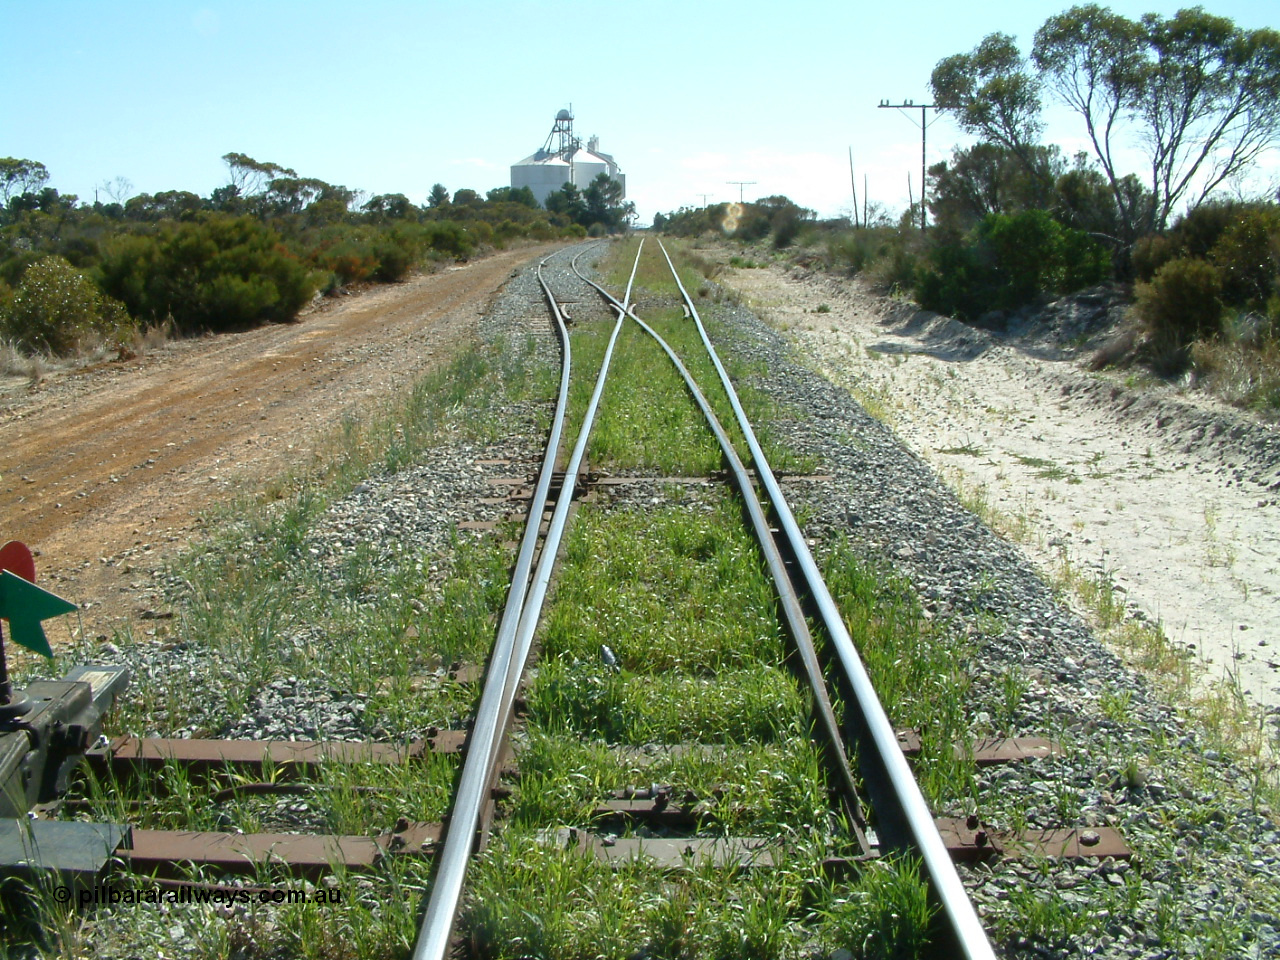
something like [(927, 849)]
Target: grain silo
[(562, 159)]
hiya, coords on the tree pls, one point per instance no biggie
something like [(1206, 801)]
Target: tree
[(1094, 60), (438, 197), (1201, 95), (250, 177), (994, 95), (118, 190), (990, 178), (567, 201), (604, 203), (1210, 100), (390, 206), (20, 176), (168, 205), (521, 195)]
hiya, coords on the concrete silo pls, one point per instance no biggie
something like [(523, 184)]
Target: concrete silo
[(562, 159)]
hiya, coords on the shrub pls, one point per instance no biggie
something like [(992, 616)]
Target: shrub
[(786, 227), (895, 270), (957, 282), (542, 230), (1084, 261), (217, 273), (349, 261), (1150, 254), (1247, 255), (480, 231), (396, 255), (1180, 305), (57, 308), (849, 251), (1007, 261)]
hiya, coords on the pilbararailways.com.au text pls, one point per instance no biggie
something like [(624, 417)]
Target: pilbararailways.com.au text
[(111, 896)]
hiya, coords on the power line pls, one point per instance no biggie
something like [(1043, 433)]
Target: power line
[(924, 126)]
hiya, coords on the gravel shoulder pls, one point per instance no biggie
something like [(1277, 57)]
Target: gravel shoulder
[(105, 471), (1175, 500)]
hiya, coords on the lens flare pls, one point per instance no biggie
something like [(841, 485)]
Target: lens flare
[(732, 213)]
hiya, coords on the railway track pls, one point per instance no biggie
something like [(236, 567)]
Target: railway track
[(865, 815), (904, 824)]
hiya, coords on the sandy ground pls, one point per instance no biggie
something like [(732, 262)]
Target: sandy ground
[(1174, 499), (105, 471)]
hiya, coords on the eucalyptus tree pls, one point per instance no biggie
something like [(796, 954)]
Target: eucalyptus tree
[(1197, 95)]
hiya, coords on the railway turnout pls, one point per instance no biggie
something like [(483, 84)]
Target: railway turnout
[(872, 809)]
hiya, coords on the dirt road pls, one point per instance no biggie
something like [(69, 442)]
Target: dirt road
[(104, 471)]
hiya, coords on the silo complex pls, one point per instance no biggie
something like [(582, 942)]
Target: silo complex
[(563, 159)]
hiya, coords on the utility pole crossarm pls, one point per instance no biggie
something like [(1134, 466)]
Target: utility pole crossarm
[(924, 126), (740, 185)]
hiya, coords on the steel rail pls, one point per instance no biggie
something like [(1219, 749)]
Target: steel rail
[(446, 890), (555, 529), (511, 650), (792, 610), (903, 817)]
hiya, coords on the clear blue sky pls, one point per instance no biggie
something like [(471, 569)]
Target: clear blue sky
[(391, 97)]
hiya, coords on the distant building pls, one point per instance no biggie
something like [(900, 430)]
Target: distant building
[(563, 159)]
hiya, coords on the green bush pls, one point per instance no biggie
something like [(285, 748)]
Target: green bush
[(1007, 261), (217, 273), (541, 230), (957, 282), (895, 271), (1150, 254), (1084, 261), (396, 254), (56, 308), (448, 237), (1179, 306), (1247, 255), (849, 252), (476, 232)]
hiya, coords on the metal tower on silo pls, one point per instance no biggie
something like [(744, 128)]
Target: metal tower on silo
[(562, 130)]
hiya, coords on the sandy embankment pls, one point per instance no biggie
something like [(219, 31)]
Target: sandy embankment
[(1177, 502)]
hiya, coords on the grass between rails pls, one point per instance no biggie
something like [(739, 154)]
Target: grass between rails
[(677, 591), (648, 377)]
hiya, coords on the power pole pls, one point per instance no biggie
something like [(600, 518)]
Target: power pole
[(741, 184), (924, 125), (853, 183), (704, 198)]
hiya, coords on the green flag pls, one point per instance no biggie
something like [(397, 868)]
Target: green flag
[(24, 605)]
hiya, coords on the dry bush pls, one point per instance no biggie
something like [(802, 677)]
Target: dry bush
[(1242, 374)]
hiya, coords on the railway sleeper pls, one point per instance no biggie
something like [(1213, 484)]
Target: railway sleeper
[(967, 840), (128, 756)]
